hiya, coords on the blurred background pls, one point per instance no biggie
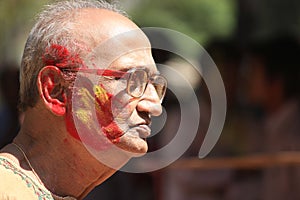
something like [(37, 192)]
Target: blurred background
[(255, 45)]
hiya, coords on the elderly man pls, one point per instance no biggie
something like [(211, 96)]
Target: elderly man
[(89, 86)]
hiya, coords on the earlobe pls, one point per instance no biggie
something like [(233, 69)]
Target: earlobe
[(51, 90)]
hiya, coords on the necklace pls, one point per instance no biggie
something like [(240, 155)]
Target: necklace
[(37, 177), (29, 164)]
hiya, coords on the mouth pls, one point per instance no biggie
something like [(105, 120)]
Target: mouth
[(141, 130)]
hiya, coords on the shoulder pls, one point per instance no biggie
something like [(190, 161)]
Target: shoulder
[(12, 186), (16, 185)]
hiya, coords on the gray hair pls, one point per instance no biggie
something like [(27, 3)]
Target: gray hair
[(54, 25)]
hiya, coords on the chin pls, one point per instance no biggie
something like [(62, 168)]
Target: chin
[(132, 145)]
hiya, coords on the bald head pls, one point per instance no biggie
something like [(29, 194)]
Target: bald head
[(107, 36), (103, 22), (96, 26)]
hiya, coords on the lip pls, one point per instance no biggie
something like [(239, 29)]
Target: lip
[(143, 130)]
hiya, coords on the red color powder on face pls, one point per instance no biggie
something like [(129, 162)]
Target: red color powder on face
[(89, 137), (70, 123), (57, 55), (105, 115), (88, 99)]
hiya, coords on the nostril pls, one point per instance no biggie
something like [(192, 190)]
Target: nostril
[(146, 116), (150, 107)]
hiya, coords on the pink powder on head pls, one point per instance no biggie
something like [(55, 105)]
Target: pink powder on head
[(59, 56)]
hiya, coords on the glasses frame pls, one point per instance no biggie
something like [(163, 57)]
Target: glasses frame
[(106, 73)]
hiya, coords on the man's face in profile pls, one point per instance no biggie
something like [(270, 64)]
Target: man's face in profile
[(105, 109)]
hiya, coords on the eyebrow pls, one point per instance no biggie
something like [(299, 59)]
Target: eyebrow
[(129, 67), (147, 70), (100, 72), (111, 72)]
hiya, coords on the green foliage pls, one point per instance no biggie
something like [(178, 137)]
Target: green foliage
[(14, 16), (200, 19)]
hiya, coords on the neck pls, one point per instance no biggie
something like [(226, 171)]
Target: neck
[(62, 167), (62, 163)]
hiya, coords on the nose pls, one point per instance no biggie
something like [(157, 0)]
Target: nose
[(150, 102)]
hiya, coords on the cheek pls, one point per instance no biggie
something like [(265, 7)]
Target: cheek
[(122, 107), (82, 127), (104, 112), (94, 110)]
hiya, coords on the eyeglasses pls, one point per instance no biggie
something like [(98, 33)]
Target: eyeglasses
[(137, 80)]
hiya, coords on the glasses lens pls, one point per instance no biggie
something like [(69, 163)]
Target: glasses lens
[(160, 84), (137, 83)]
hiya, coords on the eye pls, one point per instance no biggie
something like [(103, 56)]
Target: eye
[(112, 78)]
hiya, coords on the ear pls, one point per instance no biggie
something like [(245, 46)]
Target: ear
[(50, 84)]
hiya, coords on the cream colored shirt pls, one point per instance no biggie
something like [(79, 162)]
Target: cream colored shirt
[(16, 185)]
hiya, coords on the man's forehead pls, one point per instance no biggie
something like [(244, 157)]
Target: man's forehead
[(94, 14), (102, 23), (128, 48), (137, 59), (109, 36)]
